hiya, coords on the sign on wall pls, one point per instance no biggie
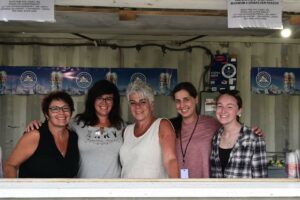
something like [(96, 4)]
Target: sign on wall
[(254, 14), (275, 81), (27, 10), (77, 80), (223, 73)]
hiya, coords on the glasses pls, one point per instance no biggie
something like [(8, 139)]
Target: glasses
[(107, 100), (56, 109), (142, 102)]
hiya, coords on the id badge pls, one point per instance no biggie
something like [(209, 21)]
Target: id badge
[(184, 173)]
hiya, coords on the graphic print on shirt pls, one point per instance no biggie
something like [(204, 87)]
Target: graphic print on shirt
[(100, 137)]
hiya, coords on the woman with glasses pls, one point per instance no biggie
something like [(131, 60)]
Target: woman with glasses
[(99, 128), (149, 144), (51, 151)]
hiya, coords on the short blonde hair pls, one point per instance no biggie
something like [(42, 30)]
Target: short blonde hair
[(142, 88)]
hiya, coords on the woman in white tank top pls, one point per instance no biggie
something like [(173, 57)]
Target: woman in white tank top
[(149, 144)]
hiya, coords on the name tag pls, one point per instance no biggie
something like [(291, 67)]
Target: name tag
[(184, 173)]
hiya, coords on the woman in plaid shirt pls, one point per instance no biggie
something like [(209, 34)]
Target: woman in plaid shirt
[(236, 151)]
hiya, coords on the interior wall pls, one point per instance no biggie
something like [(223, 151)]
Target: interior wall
[(278, 116)]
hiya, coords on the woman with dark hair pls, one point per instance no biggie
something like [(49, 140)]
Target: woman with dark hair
[(51, 151), (237, 152), (194, 133), (99, 128), (110, 94)]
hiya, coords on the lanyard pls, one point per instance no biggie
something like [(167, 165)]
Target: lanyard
[(186, 147)]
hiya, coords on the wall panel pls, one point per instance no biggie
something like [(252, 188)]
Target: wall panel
[(278, 116)]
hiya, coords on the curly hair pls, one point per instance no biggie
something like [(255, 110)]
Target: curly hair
[(142, 88), (89, 117)]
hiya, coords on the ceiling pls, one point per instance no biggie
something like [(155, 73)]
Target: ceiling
[(193, 18)]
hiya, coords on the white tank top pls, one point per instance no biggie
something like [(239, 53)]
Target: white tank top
[(141, 157)]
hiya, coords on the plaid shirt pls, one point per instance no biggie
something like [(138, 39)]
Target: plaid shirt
[(247, 158)]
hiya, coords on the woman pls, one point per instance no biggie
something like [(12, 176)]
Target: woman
[(236, 151), (194, 133), (149, 144), (99, 129), (51, 151)]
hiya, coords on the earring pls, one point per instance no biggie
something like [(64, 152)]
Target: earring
[(239, 115)]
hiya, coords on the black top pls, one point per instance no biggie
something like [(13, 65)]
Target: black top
[(47, 161), (224, 157)]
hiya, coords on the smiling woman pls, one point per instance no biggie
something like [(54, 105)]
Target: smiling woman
[(51, 151), (236, 151), (149, 144)]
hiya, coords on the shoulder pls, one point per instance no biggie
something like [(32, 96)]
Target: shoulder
[(209, 119), (166, 130), (209, 123), (31, 137), (129, 126), (165, 122), (217, 134), (78, 126), (249, 134), (74, 123)]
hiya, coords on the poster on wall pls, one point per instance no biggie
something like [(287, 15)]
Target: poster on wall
[(27, 10), (77, 80), (275, 81), (255, 14)]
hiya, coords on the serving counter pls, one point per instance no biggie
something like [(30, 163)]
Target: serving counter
[(149, 188)]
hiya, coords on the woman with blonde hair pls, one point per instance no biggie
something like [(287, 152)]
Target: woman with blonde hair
[(149, 144)]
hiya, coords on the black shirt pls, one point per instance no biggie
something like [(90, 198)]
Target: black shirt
[(224, 157), (47, 161)]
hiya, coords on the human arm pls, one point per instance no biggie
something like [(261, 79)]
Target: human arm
[(33, 125), (167, 142), (259, 159), (25, 147)]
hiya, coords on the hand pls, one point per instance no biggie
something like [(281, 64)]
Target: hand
[(258, 131), (35, 124)]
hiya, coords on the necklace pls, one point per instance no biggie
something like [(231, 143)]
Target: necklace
[(183, 152)]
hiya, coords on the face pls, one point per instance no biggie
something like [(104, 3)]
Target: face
[(140, 107), (59, 113), (227, 109), (185, 104), (104, 104)]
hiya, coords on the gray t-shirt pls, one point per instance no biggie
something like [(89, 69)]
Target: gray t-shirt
[(99, 151)]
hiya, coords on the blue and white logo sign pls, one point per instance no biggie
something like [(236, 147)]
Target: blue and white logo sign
[(263, 79), (138, 76), (28, 79), (84, 79)]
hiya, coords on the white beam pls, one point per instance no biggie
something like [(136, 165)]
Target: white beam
[(167, 188), (288, 5), (154, 4)]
